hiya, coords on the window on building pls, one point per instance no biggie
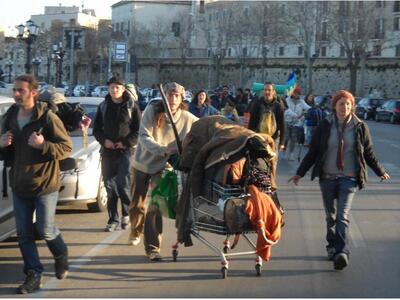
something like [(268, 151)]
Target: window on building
[(128, 30), (396, 23), (176, 28), (283, 9), (396, 6), (379, 28), (324, 31), (360, 4), (244, 51), (246, 11), (300, 50), (208, 52), (265, 51), (122, 26), (201, 8), (229, 52), (342, 51), (378, 4), (72, 22), (116, 26), (397, 51), (210, 18), (281, 51), (325, 6), (376, 50), (344, 8), (323, 51)]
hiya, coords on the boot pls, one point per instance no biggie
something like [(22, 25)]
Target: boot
[(33, 282), (60, 253)]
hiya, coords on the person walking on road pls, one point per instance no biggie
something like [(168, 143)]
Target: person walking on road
[(33, 141), (340, 151), (200, 107), (266, 115), (155, 147), (116, 128)]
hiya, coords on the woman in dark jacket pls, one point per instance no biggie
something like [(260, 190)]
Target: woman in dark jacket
[(200, 106), (340, 151)]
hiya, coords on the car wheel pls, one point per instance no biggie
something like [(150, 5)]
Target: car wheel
[(365, 116), (101, 200), (391, 120)]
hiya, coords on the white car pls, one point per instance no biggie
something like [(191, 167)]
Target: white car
[(100, 91), (83, 183)]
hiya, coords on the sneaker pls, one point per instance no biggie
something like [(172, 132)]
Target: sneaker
[(61, 266), (111, 227), (340, 261), (330, 252), (134, 241), (33, 282), (154, 256), (125, 223)]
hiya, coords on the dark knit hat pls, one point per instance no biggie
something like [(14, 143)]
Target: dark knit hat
[(116, 80)]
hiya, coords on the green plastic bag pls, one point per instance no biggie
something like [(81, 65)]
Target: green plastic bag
[(165, 194)]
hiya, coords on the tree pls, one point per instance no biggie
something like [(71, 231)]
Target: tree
[(353, 25), (270, 29), (305, 19)]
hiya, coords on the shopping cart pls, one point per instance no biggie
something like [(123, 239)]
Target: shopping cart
[(221, 212)]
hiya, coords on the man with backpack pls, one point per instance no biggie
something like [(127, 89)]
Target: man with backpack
[(116, 128), (33, 141), (266, 115)]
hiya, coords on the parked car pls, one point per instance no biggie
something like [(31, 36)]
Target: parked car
[(389, 111), (366, 107), (100, 91), (7, 220), (84, 182)]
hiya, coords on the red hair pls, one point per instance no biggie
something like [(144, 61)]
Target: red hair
[(343, 94)]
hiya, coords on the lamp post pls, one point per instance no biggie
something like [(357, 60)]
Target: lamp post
[(9, 64), (58, 55), (28, 33), (36, 63)]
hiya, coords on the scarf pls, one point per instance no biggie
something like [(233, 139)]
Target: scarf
[(340, 134)]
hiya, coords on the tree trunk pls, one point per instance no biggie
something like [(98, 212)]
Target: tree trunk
[(361, 91), (353, 78)]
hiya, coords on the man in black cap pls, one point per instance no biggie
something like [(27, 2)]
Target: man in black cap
[(116, 128)]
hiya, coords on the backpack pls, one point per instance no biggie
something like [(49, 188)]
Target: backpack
[(267, 123)]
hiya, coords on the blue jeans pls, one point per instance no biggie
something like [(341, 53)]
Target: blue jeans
[(117, 173), (338, 196), (45, 207)]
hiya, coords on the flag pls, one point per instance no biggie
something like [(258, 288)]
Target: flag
[(291, 83)]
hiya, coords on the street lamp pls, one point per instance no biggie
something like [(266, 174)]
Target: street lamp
[(28, 33), (58, 55), (36, 62), (9, 64)]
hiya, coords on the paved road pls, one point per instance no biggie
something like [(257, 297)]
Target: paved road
[(103, 265)]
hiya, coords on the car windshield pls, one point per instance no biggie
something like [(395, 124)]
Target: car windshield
[(377, 101), (90, 110)]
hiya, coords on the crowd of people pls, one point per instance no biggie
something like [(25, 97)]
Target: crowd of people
[(136, 147)]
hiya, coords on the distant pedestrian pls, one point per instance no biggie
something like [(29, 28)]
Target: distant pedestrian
[(229, 111), (156, 146), (340, 151), (116, 128), (314, 116), (200, 106), (33, 141)]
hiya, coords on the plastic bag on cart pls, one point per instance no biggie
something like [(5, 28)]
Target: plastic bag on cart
[(236, 220), (165, 194)]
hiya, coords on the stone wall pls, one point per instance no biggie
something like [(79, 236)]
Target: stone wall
[(382, 75)]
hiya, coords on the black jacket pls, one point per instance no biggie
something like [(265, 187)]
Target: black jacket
[(118, 125), (258, 109), (364, 152)]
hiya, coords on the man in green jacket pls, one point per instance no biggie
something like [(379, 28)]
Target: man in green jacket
[(32, 141)]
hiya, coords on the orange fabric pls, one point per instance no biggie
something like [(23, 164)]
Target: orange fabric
[(263, 213), (237, 170)]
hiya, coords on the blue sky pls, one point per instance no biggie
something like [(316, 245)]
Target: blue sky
[(15, 12)]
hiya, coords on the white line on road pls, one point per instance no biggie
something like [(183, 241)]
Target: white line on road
[(50, 285)]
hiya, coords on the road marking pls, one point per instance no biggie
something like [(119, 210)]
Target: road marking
[(51, 284)]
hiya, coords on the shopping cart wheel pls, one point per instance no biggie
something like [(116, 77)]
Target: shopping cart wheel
[(174, 255), (258, 269), (224, 272)]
